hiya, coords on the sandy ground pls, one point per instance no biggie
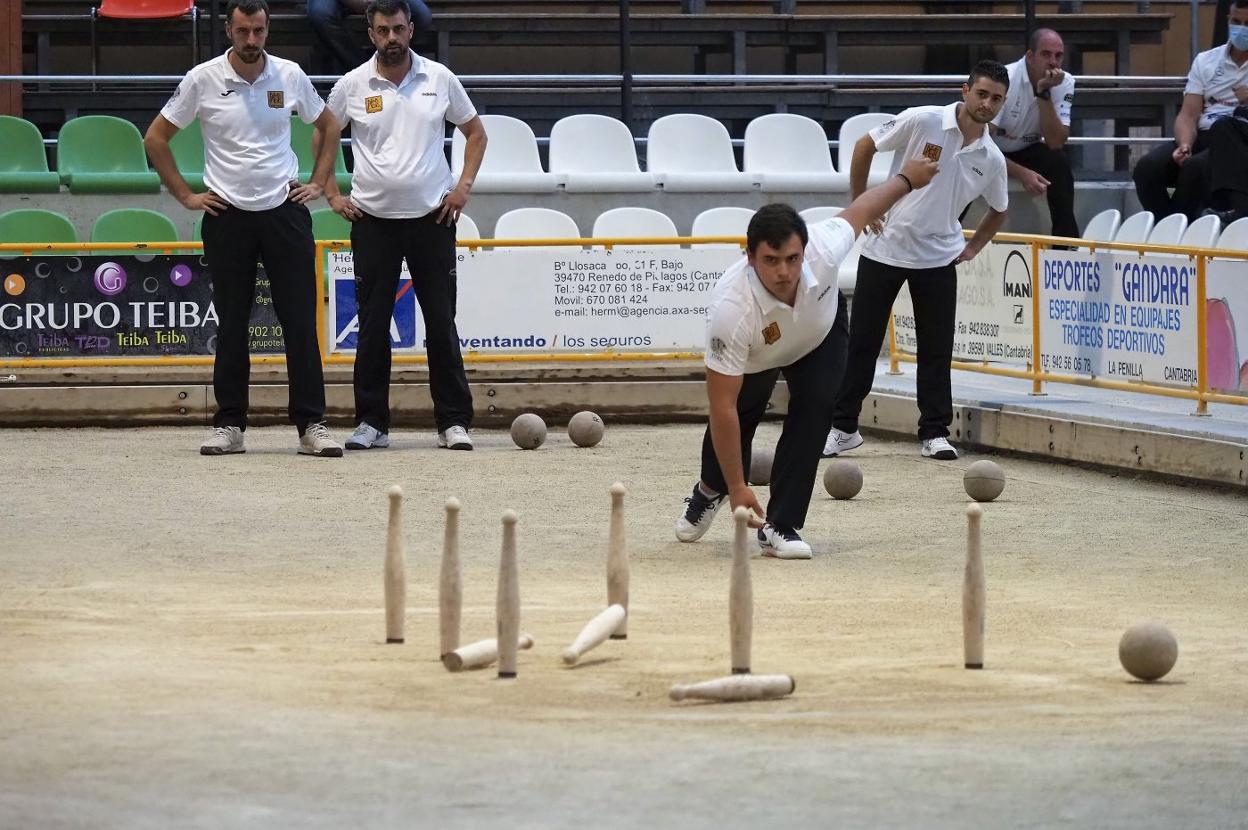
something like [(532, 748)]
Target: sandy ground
[(198, 642)]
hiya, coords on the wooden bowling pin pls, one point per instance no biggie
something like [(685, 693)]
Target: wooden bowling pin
[(595, 632), (973, 591), (479, 654), (396, 569), (617, 560), (507, 608), (450, 583), (737, 687), (741, 594)]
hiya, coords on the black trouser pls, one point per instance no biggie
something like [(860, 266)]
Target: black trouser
[(378, 248), (281, 239), (812, 382), (934, 292), (1157, 171), (1054, 166), (1228, 164)]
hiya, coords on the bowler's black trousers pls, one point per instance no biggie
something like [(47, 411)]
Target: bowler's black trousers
[(1054, 165), (812, 381)]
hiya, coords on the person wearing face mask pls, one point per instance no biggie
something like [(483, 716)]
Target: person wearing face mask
[(1033, 126), (920, 244), (1216, 86), (1228, 136), (404, 204)]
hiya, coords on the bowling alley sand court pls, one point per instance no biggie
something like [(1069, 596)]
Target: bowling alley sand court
[(200, 642)]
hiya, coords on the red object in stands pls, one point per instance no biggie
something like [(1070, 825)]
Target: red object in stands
[(145, 9)]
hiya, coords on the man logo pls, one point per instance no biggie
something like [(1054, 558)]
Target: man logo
[(772, 333), (1016, 277), (931, 151)]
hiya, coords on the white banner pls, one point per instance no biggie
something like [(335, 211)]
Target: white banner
[(1226, 301), (994, 308), (1119, 316), (553, 299)]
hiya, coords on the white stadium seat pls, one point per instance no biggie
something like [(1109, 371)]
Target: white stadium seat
[(854, 128), (691, 153), (1235, 237), (1168, 231), (1202, 233), (789, 152), (536, 223), (635, 222), (1103, 226), (465, 228), (596, 154), (721, 221), (511, 163), (819, 214), (1135, 228)]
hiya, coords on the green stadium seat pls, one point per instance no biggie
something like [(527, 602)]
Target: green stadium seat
[(24, 164), (328, 225), (103, 154), (133, 225), (35, 226), (187, 145), (301, 141)]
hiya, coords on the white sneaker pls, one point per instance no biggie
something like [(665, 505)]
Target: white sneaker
[(699, 513), (940, 449), (455, 438), (839, 442), (365, 438), (317, 441), (223, 441), (782, 544)]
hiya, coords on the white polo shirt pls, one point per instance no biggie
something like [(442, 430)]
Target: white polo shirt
[(1019, 119), (748, 330), (248, 160), (1213, 77), (922, 229), (397, 135)]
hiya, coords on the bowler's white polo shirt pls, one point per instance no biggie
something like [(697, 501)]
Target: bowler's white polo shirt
[(397, 135), (748, 330), (1213, 77), (922, 229), (1019, 120), (248, 160)]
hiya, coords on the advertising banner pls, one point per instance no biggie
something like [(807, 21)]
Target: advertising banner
[(118, 306), (1226, 302), (552, 299)]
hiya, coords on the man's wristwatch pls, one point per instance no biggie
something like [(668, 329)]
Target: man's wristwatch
[(1046, 95)]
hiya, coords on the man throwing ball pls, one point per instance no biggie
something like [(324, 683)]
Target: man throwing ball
[(778, 311)]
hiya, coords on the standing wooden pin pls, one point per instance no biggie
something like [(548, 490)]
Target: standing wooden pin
[(617, 560), (507, 610), (741, 594), (973, 591), (450, 583), (396, 570)]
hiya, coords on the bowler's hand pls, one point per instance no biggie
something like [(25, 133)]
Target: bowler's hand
[(344, 207), (920, 171), (453, 205), (1050, 79), (968, 253), (209, 202), (1182, 153), (1033, 182), (301, 193), (744, 497)]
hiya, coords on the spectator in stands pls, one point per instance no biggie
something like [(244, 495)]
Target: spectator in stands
[(778, 310), (1227, 138), (256, 211), (1216, 85), (404, 204), (921, 245), (336, 51), (1033, 126)]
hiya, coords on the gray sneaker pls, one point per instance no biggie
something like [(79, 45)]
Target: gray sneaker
[(365, 438), (455, 438), (316, 441), (223, 441), (839, 442)]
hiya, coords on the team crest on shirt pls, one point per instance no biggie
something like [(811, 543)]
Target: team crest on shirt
[(718, 348), (372, 104), (277, 100), (772, 333), (931, 151)]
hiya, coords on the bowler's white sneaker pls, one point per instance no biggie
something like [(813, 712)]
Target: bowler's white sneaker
[(782, 544), (455, 438), (839, 442), (317, 441), (940, 449), (367, 438), (699, 513), (223, 441)]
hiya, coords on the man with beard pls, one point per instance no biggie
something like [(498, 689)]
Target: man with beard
[(920, 243), (404, 204), (255, 210)]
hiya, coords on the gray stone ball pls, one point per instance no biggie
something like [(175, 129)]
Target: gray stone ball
[(585, 429), (1148, 650), (528, 431), (842, 479), (761, 460), (984, 480)]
